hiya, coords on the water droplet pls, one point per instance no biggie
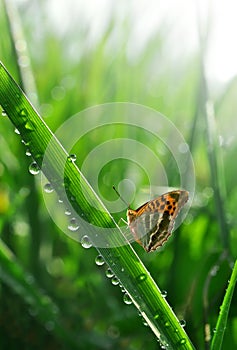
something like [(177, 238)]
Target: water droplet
[(29, 125), (127, 299), (73, 225), (60, 200), (115, 281), (4, 113), (142, 277), (23, 113), (28, 153), (17, 131), (122, 288), (99, 260), (72, 157), (164, 293), (182, 341), (68, 212), (48, 188), (167, 324), (34, 169), (214, 330), (182, 323), (109, 273), (156, 316), (86, 242)]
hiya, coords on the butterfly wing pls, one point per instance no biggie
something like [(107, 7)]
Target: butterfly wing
[(153, 222)]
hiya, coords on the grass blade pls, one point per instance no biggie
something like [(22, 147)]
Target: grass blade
[(224, 312)]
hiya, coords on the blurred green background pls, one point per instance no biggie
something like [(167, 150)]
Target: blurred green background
[(73, 56)]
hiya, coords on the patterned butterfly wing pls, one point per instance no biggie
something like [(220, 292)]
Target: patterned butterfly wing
[(152, 223)]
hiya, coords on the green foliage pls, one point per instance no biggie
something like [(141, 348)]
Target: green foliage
[(52, 295)]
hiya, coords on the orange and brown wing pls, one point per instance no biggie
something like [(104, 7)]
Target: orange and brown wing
[(152, 223)]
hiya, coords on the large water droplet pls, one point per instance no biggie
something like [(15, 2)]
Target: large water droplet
[(48, 188), (164, 293), (115, 281), (4, 113), (86, 242), (73, 225), (127, 299), (99, 260), (34, 169), (182, 323), (109, 273)]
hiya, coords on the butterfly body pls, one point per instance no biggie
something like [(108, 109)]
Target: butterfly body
[(152, 223)]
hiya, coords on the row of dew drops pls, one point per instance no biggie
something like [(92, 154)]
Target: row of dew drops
[(86, 243)]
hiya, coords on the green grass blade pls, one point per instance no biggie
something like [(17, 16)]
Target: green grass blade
[(224, 312), (122, 259)]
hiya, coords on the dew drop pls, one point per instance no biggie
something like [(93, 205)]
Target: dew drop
[(142, 277), (29, 125), (127, 299), (182, 323), (73, 225), (68, 212), (28, 153), (17, 131), (99, 260), (156, 316), (182, 341), (109, 273), (123, 290), (23, 113), (167, 324), (115, 281), (86, 242), (4, 113), (48, 188), (34, 169), (72, 157), (164, 293)]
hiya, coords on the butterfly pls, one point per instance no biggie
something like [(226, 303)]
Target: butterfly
[(152, 223)]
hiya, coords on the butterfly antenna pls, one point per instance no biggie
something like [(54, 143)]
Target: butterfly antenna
[(119, 195)]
